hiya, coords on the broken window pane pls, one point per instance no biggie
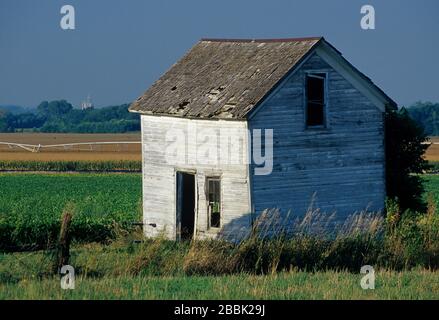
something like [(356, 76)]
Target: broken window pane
[(214, 201), (315, 95)]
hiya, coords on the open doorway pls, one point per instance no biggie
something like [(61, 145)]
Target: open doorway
[(185, 205)]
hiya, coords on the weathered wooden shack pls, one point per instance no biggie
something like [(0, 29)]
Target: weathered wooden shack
[(239, 126)]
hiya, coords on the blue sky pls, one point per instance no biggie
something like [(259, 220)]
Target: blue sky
[(119, 48)]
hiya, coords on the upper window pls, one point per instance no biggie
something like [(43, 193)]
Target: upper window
[(315, 99), (214, 202)]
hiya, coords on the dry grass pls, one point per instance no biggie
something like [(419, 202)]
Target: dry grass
[(100, 153), (111, 152), (70, 156), (432, 153)]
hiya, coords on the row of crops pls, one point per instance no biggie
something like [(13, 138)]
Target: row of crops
[(95, 166), (434, 167), (31, 206), (67, 166)]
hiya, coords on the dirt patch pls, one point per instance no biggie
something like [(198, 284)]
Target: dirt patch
[(72, 153), (432, 153)]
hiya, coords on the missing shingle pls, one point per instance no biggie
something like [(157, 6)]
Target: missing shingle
[(226, 110), (173, 88), (181, 105), (217, 90), (212, 95)]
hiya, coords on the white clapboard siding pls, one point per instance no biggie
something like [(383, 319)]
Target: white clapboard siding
[(159, 178), (343, 165)]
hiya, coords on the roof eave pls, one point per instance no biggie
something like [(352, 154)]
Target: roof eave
[(386, 100)]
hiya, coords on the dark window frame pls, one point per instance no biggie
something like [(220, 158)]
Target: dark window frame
[(214, 222), (319, 75)]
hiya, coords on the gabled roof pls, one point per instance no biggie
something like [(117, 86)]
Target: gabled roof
[(227, 78)]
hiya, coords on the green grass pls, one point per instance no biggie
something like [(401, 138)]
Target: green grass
[(431, 185), (31, 206), (156, 270), (418, 284), (434, 167)]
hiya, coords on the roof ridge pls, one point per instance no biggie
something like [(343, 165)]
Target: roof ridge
[(262, 40)]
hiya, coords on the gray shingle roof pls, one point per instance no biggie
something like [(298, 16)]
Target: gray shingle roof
[(223, 79)]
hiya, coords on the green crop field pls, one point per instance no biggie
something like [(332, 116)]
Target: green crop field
[(31, 206), (72, 166)]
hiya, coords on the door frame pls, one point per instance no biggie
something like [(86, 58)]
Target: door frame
[(177, 215)]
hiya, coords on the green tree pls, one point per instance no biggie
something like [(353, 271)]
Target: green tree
[(43, 107), (426, 115), (54, 108), (60, 116), (3, 121), (404, 159)]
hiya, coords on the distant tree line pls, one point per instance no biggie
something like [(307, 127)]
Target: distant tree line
[(60, 117), (426, 114)]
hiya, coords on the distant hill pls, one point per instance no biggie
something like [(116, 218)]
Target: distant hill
[(15, 109), (427, 115), (59, 116)]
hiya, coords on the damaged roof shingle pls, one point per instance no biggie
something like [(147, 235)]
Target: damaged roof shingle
[(223, 79)]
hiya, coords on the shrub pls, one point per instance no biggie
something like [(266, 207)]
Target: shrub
[(404, 159), (411, 238)]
